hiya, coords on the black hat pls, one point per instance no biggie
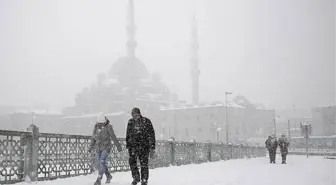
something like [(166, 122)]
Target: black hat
[(136, 110)]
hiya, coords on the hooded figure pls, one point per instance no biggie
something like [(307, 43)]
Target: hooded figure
[(101, 142), (283, 143), (271, 145), (140, 142)]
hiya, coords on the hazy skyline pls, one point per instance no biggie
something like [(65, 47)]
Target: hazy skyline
[(278, 53)]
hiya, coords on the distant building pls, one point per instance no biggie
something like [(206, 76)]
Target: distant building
[(186, 122), (47, 122), (208, 122), (324, 120), (290, 126)]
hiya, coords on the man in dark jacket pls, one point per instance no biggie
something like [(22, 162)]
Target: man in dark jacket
[(283, 143), (140, 142), (102, 137), (272, 145)]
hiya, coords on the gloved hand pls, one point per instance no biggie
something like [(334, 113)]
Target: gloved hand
[(152, 153)]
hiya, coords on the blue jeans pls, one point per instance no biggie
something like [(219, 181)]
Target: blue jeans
[(102, 163)]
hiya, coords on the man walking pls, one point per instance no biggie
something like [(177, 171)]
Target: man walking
[(271, 145), (140, 142), (283, 143), (102, 137)]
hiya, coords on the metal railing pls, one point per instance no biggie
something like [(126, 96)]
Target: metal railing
[(34, 156), (313, 151)]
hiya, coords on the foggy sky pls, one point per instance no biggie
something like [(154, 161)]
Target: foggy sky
[(278, 53)]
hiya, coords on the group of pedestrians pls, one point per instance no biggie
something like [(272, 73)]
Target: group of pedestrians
[(140, 143), (272, 144)]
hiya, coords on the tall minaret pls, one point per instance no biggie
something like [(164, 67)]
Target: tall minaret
[(194, 62), (131, 43)]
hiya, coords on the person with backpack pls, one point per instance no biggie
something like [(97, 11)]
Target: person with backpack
[(101, 143)]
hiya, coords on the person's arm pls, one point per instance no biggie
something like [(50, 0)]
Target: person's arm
[(151, 135), (114, 137), (128, 132), (93, 138)]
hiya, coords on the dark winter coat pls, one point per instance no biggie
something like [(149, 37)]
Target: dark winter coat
[(283, 143), (271, 144), (102, 137), (140, 133)]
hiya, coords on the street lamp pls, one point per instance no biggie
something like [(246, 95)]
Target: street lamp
[(274, 122), (218, 130), (226, 117)]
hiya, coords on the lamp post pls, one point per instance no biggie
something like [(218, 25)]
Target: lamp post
[(218, 130), (291, 125), (274, 122), (226, 117)]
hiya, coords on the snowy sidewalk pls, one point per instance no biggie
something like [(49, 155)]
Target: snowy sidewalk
[(298, 171)]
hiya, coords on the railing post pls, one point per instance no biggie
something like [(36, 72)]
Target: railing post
[(208, 149), (31, 154), (193, 151), (222, 151), (240, 151), (172, 149), (254, 149), (231, 150), (22, 159), (247, 151)]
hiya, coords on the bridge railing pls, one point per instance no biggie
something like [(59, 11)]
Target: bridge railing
[(34, 156), (313, 151)]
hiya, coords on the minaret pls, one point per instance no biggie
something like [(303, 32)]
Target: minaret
[(129, 69), (131, 43), (194, 62)]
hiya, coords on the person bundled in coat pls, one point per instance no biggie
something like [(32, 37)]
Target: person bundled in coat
[(283, 144), (272, 145), (140, 142), (101, 143)]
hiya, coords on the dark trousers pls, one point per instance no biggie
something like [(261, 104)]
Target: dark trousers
[(142, 154), (284, 156), (272, 155)]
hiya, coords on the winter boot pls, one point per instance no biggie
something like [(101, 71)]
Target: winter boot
[(135, 182), (98, 182), (108, 178)]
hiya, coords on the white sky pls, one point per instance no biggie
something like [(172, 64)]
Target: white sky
[(278, 53)]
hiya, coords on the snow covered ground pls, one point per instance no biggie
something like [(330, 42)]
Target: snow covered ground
[(298, 171)]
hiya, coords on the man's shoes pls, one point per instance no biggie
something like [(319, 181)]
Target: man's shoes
[(144, 182), (135, 182), (108, 178)]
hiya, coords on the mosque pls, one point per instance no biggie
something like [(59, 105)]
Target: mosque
[(129, 84)]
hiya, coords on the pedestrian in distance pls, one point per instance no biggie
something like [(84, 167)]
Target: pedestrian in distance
[(140, 142), (272, 145), (101, 144), (283, 144)]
